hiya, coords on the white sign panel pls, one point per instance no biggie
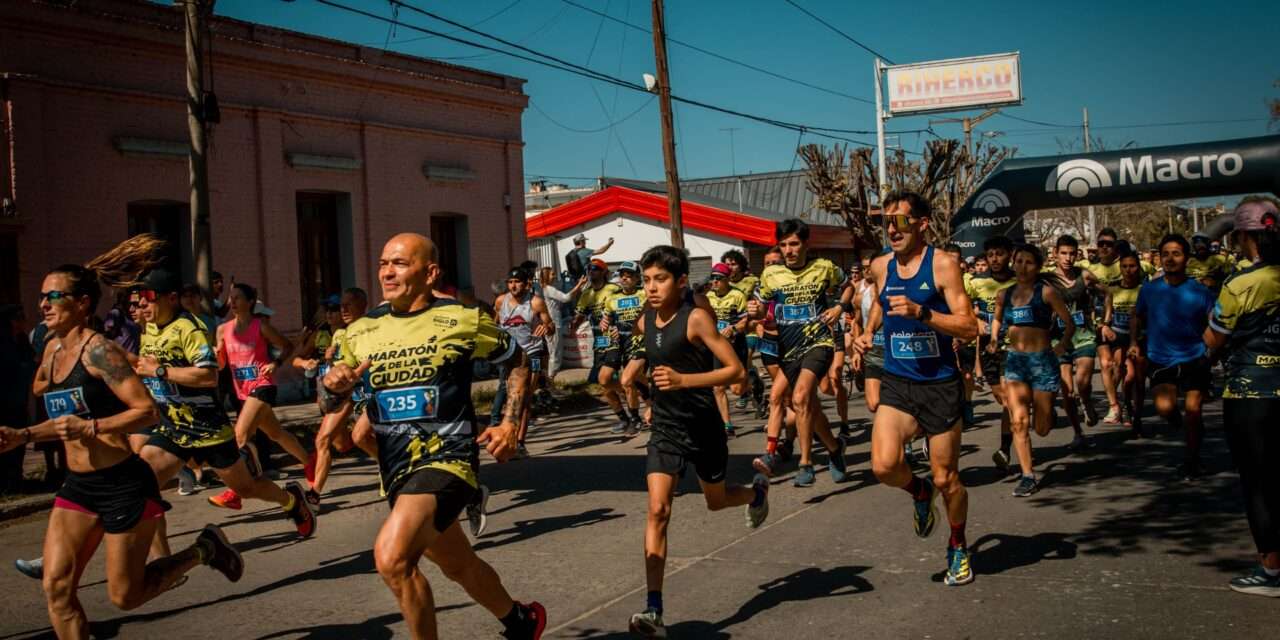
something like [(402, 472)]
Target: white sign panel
[(954, 85)]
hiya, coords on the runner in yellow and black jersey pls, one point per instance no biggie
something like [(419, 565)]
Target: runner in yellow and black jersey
[(730, 307), (1248, 314), (741, 278), (1211, 269), (414, 356), (189, 416), (620, 311), (802, 294)]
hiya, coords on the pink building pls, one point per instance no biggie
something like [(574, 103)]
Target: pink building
[(324, 150)]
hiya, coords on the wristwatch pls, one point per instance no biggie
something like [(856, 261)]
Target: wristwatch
[(162, 372), (925, 314)]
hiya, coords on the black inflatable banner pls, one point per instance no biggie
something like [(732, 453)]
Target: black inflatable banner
[(1248, 165)]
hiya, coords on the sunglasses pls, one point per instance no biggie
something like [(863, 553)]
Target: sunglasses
[(1106, 243), (55, 297), (147, 295), (899, 220), (332, 307)]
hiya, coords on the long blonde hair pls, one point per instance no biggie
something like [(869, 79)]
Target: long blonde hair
[(121, 267)]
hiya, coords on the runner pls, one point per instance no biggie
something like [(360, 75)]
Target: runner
[(94, 400), (317, 339), (333, 432), (415, 356), (983, 290), (1173, 312), (801, 290), (179, 368), (778, 449), (966, 353), (1031, 376), (1244, 328), (741, 278), (832, 382), (730, 306), (590, 308), (1076, 363), (1106, 270), (243, 345), (621, 308), (1121, 300), (1207, 267), (681, 347), (871, 359), (923, 307), (523, 315)]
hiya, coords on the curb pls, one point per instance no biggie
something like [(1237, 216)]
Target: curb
[(26, 506)]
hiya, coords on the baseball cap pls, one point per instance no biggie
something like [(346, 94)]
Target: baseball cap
[(260, 309), (581, 237), (599, 264), (332, 300), (720, 269), (518, 274), (161, 281), (629, 265), (1256, 216)]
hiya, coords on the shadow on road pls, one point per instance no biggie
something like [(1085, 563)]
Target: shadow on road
[(377, 628), (524, 530), (999, 552)]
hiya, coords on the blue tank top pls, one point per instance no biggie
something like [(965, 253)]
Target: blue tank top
[(1035, 313), (912, 349)]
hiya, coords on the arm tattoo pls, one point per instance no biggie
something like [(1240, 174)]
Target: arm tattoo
[(107, 356), (517, 386)]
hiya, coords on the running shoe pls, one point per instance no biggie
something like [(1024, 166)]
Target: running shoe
[(923, 456), (33, 569), (762, 410), (1001, 459), (313, 499), (925, 514), (648, 624), (845, 430), (757, 515), (620, 428), (1190, 470), (1090, 413), (1257, 583), (1026, 486), (1113, 416), (301, 514), (839, 470), (227, 500), (633, 428), (969, 418), (186, 482), (742, 402), (805, 477), (219, 554), (958, 570), (522, 452), (1080, 443), (785, 450), (309, 469), (730, 430), (766, 464), (477, 518), (534, 623)]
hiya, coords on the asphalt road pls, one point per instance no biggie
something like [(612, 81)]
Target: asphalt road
[(1111, 547)]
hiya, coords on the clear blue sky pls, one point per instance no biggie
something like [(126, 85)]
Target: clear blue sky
[(1130, 62)]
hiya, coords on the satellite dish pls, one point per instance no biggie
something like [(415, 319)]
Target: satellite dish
[(650, 83)]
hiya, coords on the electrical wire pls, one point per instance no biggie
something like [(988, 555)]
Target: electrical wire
[(840, 33), (596, 130)]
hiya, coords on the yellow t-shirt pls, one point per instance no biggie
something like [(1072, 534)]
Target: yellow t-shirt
[(800, 296)]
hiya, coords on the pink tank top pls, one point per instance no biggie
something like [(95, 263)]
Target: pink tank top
[(246, 355)]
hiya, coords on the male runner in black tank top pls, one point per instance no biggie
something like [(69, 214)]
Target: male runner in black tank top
[(680, 341)]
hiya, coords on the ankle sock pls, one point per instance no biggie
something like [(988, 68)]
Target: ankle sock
[(515, 619), (918, 488), (653, 600), (957, 536), (770, 445)]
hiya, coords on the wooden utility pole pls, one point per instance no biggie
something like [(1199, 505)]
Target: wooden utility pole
[(668, 138), (196, 12)]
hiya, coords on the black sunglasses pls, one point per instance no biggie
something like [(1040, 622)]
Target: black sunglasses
[(1106, 243), (55, 297)]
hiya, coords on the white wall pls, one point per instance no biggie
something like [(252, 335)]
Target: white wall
[(633, 235)]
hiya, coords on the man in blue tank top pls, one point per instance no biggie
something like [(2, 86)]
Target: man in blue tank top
[(922, 307)]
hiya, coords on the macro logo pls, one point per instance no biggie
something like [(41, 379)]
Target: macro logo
[(979, 221), (1077, 177), (991, 200)]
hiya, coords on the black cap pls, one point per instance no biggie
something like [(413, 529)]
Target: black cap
[(162, 281), (519, 274)]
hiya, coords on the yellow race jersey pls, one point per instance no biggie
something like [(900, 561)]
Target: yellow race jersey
[(800, 296), (623, 309), (189, 416), (747, 285), (419, 383), (1210, 271), (982, 290), (1123, 301), (1248, 312), (1147, 268), (591, 304), (729, 308)]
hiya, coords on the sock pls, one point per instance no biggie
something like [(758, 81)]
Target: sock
[(918, 488), (653, 600), (515, 619), (957, 536), (1006, 442), (759, 498), (293, 502), (770, 445), (634, 413), (622, 415), (1271, 572)]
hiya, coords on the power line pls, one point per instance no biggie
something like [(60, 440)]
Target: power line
[(596, 130), (1145, 125), (474, 24), (1043, 124), (721, 57), (840, 33)]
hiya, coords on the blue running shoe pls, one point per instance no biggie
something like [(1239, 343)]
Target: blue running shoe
[(925, 514), (1257, 583), (33, 569), (767, 464), (839, 470), (756, 514), (958, 570), (805, 476)]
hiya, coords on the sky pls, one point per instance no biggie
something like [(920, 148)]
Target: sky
[(1137, 66)]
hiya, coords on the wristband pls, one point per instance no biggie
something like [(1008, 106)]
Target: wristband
[(925, 314), (28, 432), (847, 306)]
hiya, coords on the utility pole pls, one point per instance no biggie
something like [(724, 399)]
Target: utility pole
[(880, 118), (733, 163), (1093, 221), (967, 124), (668, 138), (196, 13)]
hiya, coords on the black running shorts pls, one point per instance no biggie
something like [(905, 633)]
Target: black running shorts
[(992, 363), (265, 394), (873, 363), (611, 358), (936, 405), (817, 360), (219, 456), (1193, 375), (672, 448), (452, 493), (120, 495)]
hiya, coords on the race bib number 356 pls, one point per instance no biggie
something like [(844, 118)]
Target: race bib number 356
[(410, 403), (914, 346)]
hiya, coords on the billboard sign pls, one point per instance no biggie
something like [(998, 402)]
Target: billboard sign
[(954, 85)]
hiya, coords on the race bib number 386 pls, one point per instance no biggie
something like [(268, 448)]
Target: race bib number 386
[(410, 403)]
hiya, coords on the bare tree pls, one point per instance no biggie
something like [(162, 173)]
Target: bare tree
[(846, 182)]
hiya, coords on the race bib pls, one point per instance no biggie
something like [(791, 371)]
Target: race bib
[(601, 342), (409, 403), (535, 365), (721, 325), (628, 303), (793, 313), (245, 374), (914, 346), (161, 390), (67, 402), (1021, 315), (769, 347), (1078, 318), (1120, 320), (877, 339), (322, 370)]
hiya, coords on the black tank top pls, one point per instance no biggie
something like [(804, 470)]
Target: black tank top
[(669, 346), (81, 394)]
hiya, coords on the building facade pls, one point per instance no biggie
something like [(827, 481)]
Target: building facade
[(324, 149)]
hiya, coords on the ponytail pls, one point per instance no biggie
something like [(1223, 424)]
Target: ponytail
[(121, 267)]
